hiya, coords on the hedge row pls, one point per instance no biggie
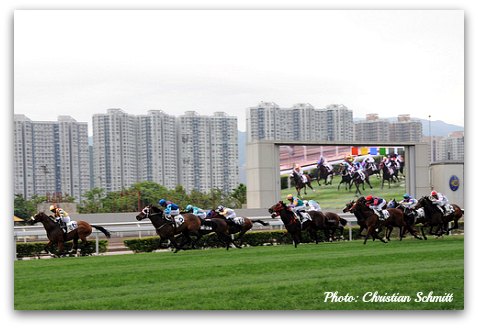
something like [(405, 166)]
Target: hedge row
[(34, 249), (253, 238)]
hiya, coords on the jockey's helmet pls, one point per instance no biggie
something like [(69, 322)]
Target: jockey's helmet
[(52, 208), (189, 208), (434, 193), (369, 198), (406, 196), (162, 202), (220, 208), (289, 196)]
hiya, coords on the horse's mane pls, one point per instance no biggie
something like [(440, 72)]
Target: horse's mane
[(155, 208)]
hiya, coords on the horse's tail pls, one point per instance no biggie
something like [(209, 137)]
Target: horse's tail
[(103, 230), (261, 222)]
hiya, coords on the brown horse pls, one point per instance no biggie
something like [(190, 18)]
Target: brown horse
[(334, 222), (219, 226), (167, 230), (237, 228), (371, 219), (56, 235), (361, 220), (435, 218), (299, 184), (293, 225), (395, 219)]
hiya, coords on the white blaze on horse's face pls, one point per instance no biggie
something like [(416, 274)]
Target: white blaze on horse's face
[(145, 211)]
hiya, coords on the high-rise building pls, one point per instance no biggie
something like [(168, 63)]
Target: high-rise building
[(51, 157), (338, 123), (115, 150), (208, 151), (452, 147), (406, 129), (372, 129), (301, 122), (199, 152), (157, 148)]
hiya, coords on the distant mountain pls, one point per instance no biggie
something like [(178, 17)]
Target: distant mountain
[(438, 128)]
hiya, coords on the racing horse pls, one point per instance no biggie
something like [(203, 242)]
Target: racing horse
[(220, 227), (435, 218), (294, 227), (237, 228), (372, 221), (361, 220), (395, 219), (300, 184), (56, 235), (166, 229), (387, 175), (358, 180), (334, 222), (346, 178), (323, 173)]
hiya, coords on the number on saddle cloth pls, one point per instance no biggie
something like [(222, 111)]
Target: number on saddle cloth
[(179, 219), (386, 214), (238, 221)]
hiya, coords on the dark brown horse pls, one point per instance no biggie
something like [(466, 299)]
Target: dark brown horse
[(372, 220), (434, 217), (56, 235), (299, 184), (333, 223), (234, 228), (167, 230), (220, 227), (293, 225), (395, 219), (361, 220)]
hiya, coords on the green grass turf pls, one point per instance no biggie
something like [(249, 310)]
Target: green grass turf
[(255, 278), (332, 199)]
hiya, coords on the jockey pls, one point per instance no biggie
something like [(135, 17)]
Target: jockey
[(377, 204), (323, 161), (347, 166), (62, 217), (297, 205), (171, 210), (199, 212), (228, 213), (440, 201), (356, 167), (298, 170), (408, 201), (312, 205), (369, 161)]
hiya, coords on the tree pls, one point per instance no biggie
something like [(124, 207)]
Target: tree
[(239, 196), (24, 208)]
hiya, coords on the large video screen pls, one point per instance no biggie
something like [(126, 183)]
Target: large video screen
[(334, 175)]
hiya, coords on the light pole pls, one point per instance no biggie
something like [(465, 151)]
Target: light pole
[(431, 151)]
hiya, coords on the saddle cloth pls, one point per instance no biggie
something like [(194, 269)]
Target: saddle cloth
[(72, 225), (179, 220), (420, 213), (238, 221), (385, 213), (449, 209)]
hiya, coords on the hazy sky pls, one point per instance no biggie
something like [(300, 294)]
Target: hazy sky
[(388, 62)]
